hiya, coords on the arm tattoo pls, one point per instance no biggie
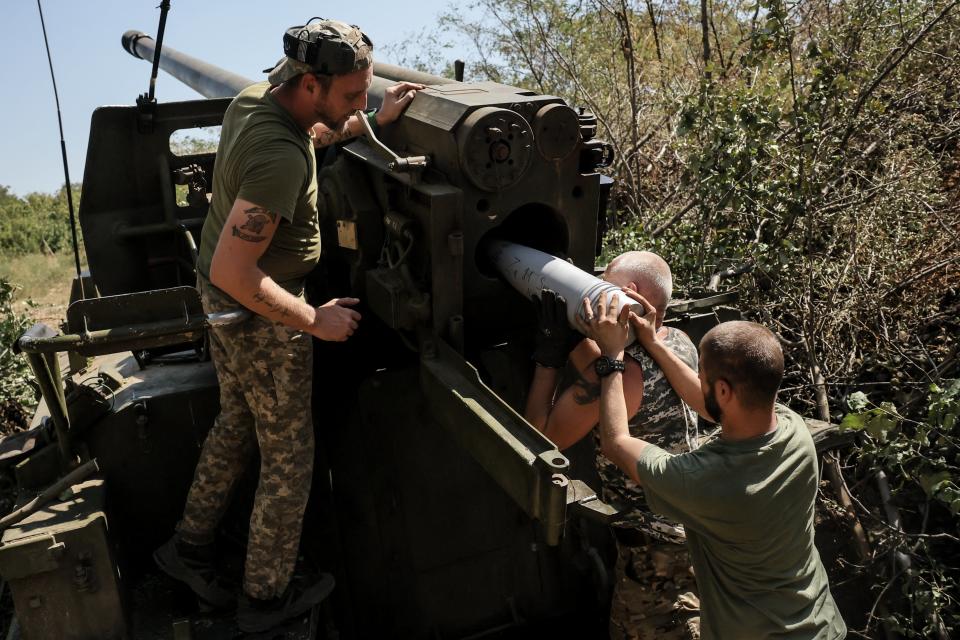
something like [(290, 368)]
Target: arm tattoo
[(585, 392), (275, 308), (328, 137), (257, 219), (252, 211), (246, 236)]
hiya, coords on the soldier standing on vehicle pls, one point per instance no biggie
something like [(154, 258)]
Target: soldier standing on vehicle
[(260, 240), (654, 592)]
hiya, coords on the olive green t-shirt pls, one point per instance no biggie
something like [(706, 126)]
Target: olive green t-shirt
[(264, 157), (747, 508)]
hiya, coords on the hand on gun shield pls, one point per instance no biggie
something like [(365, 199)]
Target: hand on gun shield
[(335, 321), (396, 98), (555, 337)]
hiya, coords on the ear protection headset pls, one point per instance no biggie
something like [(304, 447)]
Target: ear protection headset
[(325, 50)]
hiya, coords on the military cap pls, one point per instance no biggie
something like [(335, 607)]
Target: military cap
[(326, 47)]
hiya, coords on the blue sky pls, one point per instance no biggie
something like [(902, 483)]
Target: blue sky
[(92, 69)]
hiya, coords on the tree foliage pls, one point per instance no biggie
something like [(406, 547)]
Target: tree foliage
[(816, 142), (37, 222), (922, 457)]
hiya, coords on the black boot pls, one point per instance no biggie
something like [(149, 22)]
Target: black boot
[(193, 565), (255, 615)]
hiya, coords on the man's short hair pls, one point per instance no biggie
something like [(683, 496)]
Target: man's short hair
[(291, 84), (748, 356), (646, 266)]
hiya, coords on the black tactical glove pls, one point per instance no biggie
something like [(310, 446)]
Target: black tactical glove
[(555, 337)]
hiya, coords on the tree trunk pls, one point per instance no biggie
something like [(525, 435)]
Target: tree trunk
[(705, 32)]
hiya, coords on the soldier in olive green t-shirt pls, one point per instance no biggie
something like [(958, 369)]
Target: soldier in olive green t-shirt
[(747, 507), (260, 240), (746, 499), (266, 158)]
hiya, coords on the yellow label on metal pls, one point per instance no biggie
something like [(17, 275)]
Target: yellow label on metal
[(347, 234)]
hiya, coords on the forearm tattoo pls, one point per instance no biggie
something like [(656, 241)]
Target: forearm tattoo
[(331, 136), (257, 219), (584, 391), (273, 307)]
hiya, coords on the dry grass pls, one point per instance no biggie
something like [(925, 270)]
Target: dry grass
[(43, 284)]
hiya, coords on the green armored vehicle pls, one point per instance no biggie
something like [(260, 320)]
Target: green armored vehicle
[(439, 509)]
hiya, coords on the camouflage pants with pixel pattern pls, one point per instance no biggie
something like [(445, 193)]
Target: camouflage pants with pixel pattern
[(265, 371), (655, 595)]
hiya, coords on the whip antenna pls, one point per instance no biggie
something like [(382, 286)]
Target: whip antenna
[(164, 8), (63, 152), (147, 102)]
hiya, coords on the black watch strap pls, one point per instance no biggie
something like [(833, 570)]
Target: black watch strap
[(605, 365)]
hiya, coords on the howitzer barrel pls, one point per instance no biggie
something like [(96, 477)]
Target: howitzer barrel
[(402, 74), (211, 81), (206, 79)]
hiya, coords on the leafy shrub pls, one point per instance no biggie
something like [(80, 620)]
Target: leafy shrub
[(922, 460), (819, 142), (16, 392)]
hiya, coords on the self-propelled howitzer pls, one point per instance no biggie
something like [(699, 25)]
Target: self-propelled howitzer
[(440, 511)]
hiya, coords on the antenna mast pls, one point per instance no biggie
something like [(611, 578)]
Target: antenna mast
[(63, 153)]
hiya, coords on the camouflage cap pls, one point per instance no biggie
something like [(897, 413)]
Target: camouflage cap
[(328, 47)]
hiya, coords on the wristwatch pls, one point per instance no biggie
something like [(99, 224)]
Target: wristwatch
[(606, 365)]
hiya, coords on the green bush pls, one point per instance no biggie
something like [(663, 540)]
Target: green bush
[(922, 460), (37, 222), (817, 143), (16, 392)]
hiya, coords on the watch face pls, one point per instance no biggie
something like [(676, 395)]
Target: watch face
[(602, 366)]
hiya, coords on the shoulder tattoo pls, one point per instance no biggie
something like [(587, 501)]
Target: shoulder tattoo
[(257, 219)]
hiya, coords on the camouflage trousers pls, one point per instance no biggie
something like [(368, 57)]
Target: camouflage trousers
[(655, 593), (265, 374)]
